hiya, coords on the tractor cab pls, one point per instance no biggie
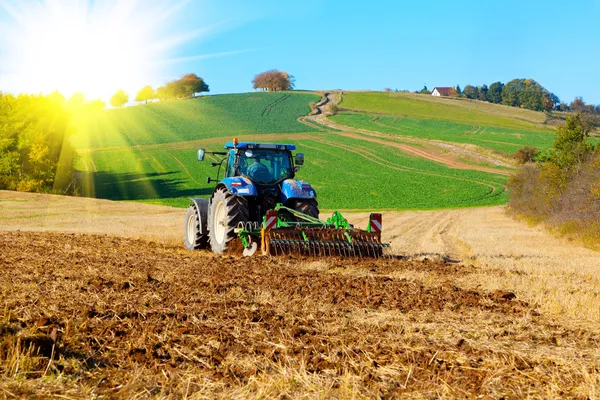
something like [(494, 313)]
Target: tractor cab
[(262, 164)]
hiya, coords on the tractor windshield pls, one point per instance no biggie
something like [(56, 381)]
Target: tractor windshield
[(266, 166)]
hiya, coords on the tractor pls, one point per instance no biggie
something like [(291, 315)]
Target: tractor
[(260, 204)]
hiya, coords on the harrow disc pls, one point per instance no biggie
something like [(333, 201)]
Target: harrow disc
[(318, 242)]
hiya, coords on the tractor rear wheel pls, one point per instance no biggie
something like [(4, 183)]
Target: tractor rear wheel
[(192, 236), (307, 206), (226, 212)]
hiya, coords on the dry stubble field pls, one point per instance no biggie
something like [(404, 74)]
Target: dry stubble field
[(479, 305)]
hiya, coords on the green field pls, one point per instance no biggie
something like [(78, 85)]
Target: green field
[(506, 140), (458, 111), (347, 174), (148, 153), (183, 120)]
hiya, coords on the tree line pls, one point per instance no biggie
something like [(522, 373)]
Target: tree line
[(524, 93), (35, 153), (185, 87), (189, 84)]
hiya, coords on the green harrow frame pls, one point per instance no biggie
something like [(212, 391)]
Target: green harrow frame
[(302, 234)]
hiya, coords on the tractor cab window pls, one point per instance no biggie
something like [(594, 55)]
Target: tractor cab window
[(230, 164), (266, 166)]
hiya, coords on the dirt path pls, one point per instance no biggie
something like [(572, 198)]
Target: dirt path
[(424, 154), (374, 158), (320, 118)]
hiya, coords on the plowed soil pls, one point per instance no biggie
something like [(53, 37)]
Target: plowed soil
[(99, 316)]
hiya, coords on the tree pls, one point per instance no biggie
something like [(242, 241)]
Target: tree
[(483, 93), (76, 102), (471, 92), (119, 99), (162, 93), (550, 101), (273, 80), (527, 93), (570, 146), (511, 92), (577, 105), (35, 151), (457, 91), (95, 105), (146, 93), (425, 90), (495, 92), (186, 86), (190, 84)]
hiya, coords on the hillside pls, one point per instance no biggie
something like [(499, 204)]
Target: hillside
[(337, 167), (204, 117), (490, 127), (501, 139), (447, 109), (148, 154)]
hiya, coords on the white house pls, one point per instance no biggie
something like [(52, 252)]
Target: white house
[(442, 91)]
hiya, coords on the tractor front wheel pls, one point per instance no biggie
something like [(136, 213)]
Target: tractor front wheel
[(226, 212)]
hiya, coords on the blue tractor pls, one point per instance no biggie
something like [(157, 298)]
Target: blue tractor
[(260, 202)]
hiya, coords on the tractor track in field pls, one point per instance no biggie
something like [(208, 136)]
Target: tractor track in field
[(187, 171), (320, 118), (424, 154), (372, 157), (270, 106)]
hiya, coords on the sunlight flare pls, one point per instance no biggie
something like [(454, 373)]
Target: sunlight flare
[(89, 47)]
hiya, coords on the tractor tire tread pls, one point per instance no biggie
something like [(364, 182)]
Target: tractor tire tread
[(237, 211), (201, 241)]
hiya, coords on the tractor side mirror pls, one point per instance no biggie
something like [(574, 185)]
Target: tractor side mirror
[(299, 159), (200, 154)]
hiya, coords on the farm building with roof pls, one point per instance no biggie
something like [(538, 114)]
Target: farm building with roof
[(442, 91)]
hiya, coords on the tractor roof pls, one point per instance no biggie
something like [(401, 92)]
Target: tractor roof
[(250, 145)]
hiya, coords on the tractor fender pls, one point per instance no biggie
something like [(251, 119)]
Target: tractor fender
[(202, 206), (240, 186), (293, 189)]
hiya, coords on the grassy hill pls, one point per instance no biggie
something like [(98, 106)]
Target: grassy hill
[(176, 121), (347, 174), (501, 139), (460, 111), (148, 153), (491, 126)]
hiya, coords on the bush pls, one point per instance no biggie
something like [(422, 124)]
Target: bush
[(565, 190), (526, 155)]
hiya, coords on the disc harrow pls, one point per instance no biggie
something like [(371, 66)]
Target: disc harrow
[(308, 236)]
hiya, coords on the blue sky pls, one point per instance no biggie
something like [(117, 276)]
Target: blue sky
[(332, 44)]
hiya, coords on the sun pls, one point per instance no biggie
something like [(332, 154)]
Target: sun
[(82, 46)]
